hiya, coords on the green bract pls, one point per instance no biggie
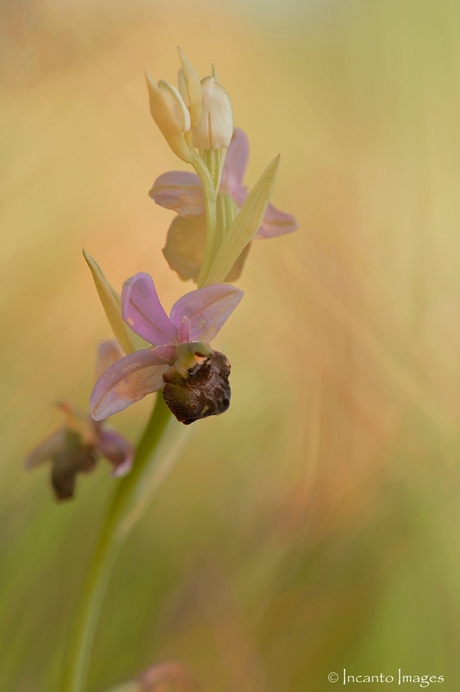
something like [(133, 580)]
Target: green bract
[(110, 299), (245, 225)]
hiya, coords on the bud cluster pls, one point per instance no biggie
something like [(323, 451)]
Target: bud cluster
[(217, 216), (197, 114)]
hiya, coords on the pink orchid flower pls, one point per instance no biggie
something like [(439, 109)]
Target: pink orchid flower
[(76, 446), (182, 192), (194, 378)]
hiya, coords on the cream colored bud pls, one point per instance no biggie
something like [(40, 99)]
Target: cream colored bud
[(170, 114), (214, 72), (190, 88), (177, 107), (215, 129)]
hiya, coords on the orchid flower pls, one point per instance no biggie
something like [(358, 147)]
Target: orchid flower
[(194, 378), (182, 192), (76, 446)]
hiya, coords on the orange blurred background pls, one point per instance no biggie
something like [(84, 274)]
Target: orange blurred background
[(315, 526)]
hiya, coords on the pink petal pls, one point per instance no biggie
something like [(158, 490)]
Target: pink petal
[(166, 353), (125, 382), (118, 450), (185, 329), (207, 309), (142, 310), (180, 191), (276, 222), (50, 446), (235, 165)]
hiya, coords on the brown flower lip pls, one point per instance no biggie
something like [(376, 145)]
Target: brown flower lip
[(203, 392)]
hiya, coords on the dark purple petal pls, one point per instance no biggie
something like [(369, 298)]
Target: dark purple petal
[(207, 309), (142, 310), (118, 450), (125, 382), (180, 191), (276, 222), (235, 166)]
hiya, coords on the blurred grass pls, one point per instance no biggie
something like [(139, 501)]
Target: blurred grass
[(315, 526)]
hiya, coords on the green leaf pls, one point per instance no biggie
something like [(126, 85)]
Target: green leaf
[(245, 225), (110, 299)]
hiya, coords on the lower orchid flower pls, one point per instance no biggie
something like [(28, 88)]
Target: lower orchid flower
[(168, 676), (76, 446), (194, 378), (182, 192)]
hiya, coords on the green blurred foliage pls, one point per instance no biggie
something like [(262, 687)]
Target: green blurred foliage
[(315, 526)]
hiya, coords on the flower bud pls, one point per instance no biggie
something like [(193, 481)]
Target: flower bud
[(203, 391), (215, 129), (190, 88), (170, 113)]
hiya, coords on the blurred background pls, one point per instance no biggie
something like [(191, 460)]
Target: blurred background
[(315, 526)]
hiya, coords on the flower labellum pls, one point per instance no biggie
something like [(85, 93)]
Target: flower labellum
[(215, 127), (68, 460), (203, 391)]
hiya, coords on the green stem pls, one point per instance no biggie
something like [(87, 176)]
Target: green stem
[(209, 193), (76, 668), (214, 160)]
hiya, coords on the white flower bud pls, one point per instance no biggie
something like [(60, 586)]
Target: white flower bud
[(190, 88), (171, 115), (215, 128)]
